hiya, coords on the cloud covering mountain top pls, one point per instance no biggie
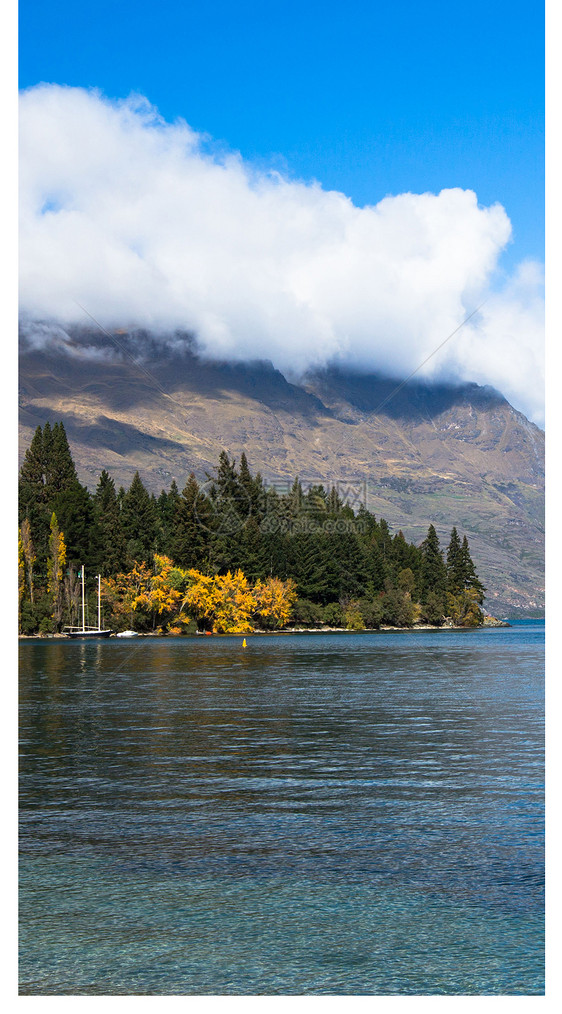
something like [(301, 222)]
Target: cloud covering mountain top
[(145, 223)]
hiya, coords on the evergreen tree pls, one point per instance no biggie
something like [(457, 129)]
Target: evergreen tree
[(140, 522), (32, 472), (107, 514), (227, 479), (252, 558), (348, 564), (48, 483), (433, 572), (455, 566), (293, 502), (315, 506), (376, 570), (60, 472), (168, 504), (334, 503), (75, 513), (470, 577), (193, 525), (384, 540), (314, 570), (32, 495), (250, 490)]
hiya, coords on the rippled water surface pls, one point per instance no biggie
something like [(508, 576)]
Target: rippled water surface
[(345, 814)]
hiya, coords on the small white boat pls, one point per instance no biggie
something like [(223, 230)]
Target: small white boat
[(85, 632), (127, 633)]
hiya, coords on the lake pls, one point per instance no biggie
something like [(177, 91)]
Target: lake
[(313, 814)]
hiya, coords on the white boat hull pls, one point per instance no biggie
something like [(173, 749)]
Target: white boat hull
[(88, 634)]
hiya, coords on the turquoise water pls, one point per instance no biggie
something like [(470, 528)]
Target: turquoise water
[(315, 814)]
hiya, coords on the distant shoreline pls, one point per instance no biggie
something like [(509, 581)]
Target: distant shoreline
[(492, 623)]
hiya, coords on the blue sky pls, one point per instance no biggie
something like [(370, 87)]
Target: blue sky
[(368, 98)]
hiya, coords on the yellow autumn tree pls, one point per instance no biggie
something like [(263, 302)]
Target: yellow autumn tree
[(21, 577), (143, 596), (353, 617), (464, 608), (126, 594), (29, 555), (55, 570), (166, 586), (274, 601), (223, 603)]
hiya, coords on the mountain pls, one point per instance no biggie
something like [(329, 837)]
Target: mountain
[(415, 453)]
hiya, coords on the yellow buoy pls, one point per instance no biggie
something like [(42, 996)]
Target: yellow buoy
[(244, 645)]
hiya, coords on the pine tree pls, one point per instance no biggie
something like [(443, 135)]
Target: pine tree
[(384, 540), (293, 502), (334, 503), (251, 550), (313, 566), (348, 564), (107, 515), (227, 479), (75, 513), (167, 510), (455, 567), (315, 505), (433, 572), (470, 577), (140, 522), (32, 472), (248, 490), (376, 569), (32, 494), (193, 524), (48, 483), (60, 471)]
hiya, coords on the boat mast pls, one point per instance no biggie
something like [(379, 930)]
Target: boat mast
[(83, 610), (99, 601)]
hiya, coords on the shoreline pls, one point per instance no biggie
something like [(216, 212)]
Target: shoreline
[(490, 622)]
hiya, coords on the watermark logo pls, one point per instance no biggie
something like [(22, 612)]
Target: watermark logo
[(281, 507)]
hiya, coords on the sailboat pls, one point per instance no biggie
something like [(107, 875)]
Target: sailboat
[(84, 631)]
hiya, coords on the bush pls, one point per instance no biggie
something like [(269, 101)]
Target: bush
[(432, 610), (28, 620), (47, 625), (371, 612), (306, 613), (464, 608), (353, 618), (333, 615), (397, 609)]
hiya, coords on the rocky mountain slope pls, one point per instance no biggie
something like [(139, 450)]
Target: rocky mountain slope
[(447, 455)]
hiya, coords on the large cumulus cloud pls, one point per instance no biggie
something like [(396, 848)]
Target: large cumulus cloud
[(146, 223)]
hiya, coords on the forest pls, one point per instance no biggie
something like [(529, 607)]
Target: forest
[(229, 555)]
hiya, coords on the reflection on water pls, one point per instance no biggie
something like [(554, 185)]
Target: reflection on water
[(315, 814)]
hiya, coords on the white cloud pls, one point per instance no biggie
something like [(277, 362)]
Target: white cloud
[(140, 222)]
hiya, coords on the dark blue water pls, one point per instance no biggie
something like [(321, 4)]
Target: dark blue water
[(314, 814)]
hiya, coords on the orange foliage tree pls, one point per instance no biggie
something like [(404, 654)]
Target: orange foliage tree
[(223, 603), (173, 598), (274, 601), (144, 596)]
